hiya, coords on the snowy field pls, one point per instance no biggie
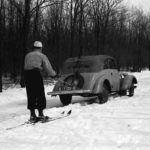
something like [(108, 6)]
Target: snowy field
[(123, 123)]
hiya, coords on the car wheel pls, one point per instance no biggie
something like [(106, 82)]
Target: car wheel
[(123, 93), (103, 97), (131, 90), (65, 99)]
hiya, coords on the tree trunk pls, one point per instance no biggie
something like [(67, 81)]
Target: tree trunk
[(72, 32), (1, 7), (25, 31), (97, 33), (36, 21), (0, 71), (80, 31)]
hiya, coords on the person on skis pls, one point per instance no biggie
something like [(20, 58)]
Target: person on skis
[(35, 63)]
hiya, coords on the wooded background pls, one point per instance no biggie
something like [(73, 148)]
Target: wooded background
[(71, 28)]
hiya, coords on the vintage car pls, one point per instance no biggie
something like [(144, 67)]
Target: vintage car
[(92, 76)]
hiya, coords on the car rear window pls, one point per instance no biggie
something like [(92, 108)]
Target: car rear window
[(81, 66)]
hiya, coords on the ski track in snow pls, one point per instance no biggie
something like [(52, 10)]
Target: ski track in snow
[(123, 123)]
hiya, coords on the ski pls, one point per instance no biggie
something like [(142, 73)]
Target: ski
[(27, 122), (48, 119)]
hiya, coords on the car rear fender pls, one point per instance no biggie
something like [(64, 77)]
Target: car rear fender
[(127, 81), (98, 86)]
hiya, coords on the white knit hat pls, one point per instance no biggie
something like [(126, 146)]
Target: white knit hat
[(38, 44)]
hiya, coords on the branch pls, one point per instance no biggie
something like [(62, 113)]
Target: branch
[(17, 6), (40, 4), (50, 3)]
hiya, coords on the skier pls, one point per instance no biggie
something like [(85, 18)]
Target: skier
[(35, 63)]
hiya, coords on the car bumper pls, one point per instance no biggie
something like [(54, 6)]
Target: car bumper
[(73, 92)]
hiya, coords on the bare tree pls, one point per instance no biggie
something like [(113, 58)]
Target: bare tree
[(73, 28), (74, 11), (1, 8), (101, 12)]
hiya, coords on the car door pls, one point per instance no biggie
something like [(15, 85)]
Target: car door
[(108, 72), (115, 76)]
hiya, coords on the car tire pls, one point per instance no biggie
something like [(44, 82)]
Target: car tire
[(65, 99), (131, 90), (123, 92), (103, 97)]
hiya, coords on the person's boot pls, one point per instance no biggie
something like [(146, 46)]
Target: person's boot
[(40, 111), (41, 116), (33, 117)]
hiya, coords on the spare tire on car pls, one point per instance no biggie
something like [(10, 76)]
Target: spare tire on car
[(75, 81)]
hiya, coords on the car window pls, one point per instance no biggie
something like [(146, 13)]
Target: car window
[(110, 64), (82, 66), (106, 64)]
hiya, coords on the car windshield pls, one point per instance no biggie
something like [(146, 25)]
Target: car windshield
[(81, 66)]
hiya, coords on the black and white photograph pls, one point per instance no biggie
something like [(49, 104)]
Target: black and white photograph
[(74, 74)]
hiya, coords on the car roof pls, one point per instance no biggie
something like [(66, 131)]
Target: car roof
[(95, 63), (86, 58)]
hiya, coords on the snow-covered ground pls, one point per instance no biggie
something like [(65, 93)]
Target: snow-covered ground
[(121, 123)]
